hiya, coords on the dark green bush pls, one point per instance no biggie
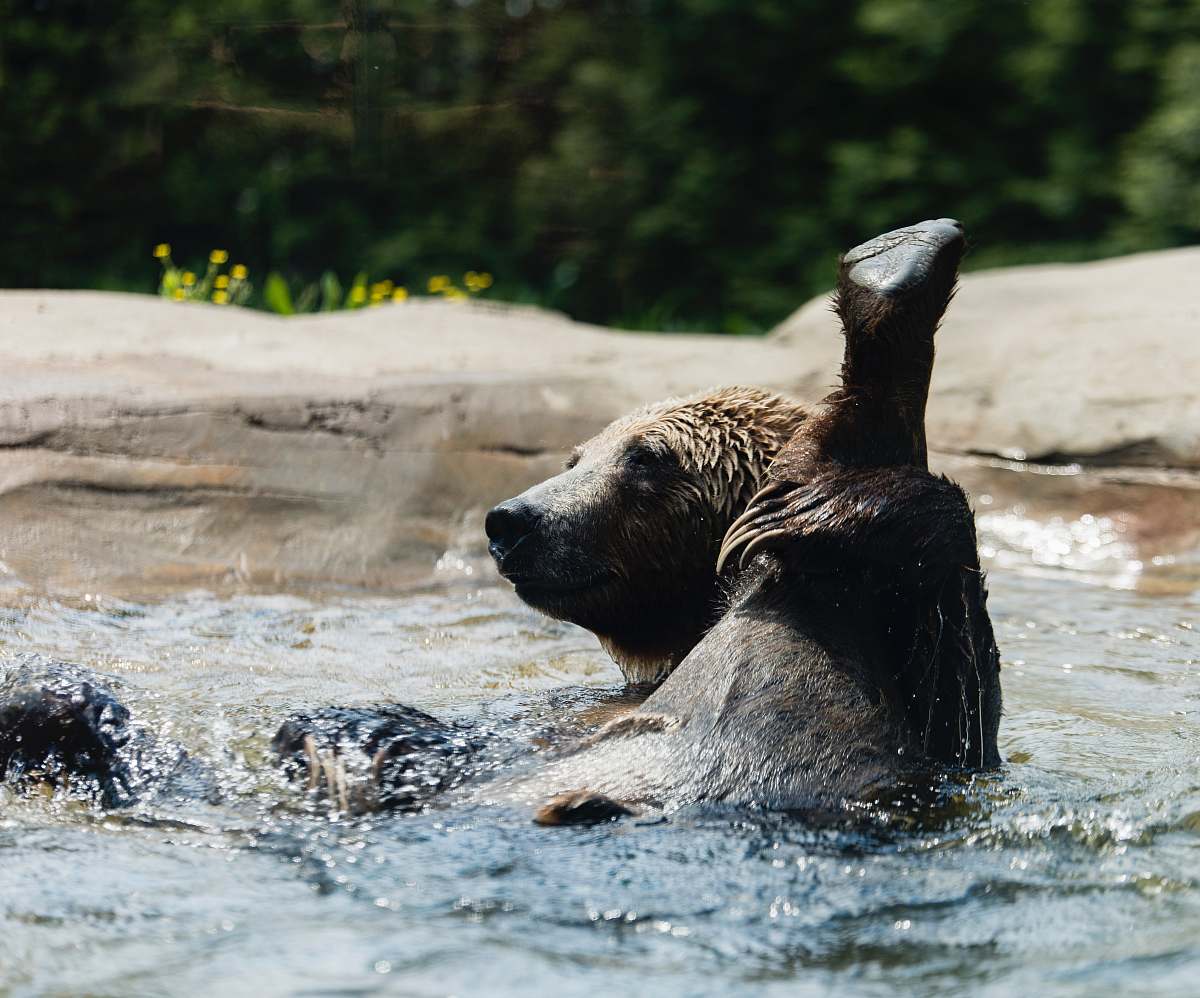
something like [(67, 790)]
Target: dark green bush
[(659, 163)]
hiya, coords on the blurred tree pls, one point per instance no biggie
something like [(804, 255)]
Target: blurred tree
[(657, 163), (1160, 176)]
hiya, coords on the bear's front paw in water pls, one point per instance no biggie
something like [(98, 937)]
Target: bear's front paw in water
[(59, 725), (385, 757), (582, 807)]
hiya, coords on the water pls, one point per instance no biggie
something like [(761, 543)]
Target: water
[(1076, 869)]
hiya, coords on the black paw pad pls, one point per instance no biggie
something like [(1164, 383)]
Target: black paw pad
[(899, 261)]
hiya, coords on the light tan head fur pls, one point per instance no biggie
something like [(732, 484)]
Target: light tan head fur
[(725, 438), (624, 541)]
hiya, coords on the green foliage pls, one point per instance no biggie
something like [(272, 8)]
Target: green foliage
[(331, 291), (276, 295), (672, 164), (235, 287)]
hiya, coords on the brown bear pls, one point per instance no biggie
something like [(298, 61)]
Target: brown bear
[(624, 542), (854, 651), (856, 648)]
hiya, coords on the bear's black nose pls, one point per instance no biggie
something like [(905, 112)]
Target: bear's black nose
[(509, 524)]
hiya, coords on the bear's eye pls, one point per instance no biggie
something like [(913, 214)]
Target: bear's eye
[(640, 456)]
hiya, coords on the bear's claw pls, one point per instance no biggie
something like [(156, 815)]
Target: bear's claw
[(372, 758)]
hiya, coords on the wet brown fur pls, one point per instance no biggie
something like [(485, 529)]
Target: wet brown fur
[(639, 514)]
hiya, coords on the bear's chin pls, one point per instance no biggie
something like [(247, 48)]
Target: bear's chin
[(639, 669), (562, 598)]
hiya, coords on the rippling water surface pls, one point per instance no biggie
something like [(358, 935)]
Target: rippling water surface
[(1075, 870)]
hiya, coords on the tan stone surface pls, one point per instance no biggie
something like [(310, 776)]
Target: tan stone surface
[(144, 442)]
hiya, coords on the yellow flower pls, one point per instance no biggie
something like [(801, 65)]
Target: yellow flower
[(453, 294), (400, 294), (178, 294), (382, 287), (221, 297), (438, 283), (162, 251), (484, 280), (221, 282), (218, 256), (239, 272), (188, 278), (358, 294)]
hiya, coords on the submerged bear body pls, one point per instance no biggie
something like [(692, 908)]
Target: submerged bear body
[(816, 689)]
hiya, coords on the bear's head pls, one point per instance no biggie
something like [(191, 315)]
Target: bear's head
[(624, 541)]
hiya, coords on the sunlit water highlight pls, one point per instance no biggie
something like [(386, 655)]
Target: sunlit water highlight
[(1077, 869)]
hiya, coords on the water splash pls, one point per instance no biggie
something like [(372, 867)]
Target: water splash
[(1093, 546)]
